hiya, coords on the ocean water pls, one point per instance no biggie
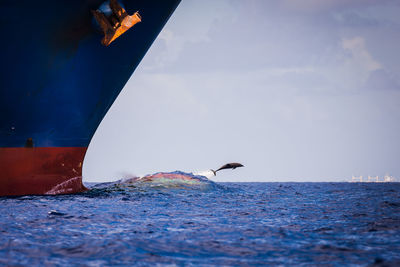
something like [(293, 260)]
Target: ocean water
[(205, 224)]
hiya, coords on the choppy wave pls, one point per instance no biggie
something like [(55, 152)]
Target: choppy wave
[(206, 224), (160, 180)]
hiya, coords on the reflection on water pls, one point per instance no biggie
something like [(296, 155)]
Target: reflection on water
[(185, 221)]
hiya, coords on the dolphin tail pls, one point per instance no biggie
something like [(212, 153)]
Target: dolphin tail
[(215, 172)]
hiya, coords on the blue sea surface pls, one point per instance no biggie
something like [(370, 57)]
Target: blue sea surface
[(205, 224)]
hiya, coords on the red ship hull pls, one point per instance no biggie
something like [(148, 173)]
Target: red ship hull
[(41, 170)]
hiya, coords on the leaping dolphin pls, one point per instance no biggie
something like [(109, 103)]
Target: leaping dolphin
[(232, 166)]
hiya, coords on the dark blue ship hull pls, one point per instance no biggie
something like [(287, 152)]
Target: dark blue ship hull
[(57, 82)]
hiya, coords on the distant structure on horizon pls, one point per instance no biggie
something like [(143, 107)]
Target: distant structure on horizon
[(373, 179)]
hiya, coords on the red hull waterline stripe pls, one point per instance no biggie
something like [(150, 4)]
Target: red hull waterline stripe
[(41, 170)]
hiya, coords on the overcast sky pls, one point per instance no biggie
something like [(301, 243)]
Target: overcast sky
[(295, 90)]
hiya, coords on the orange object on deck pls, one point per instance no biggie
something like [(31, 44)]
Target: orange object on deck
[(117, 24)]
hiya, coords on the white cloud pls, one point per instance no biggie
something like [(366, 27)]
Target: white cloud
[(356, 66), (360, 57), (194, 27)]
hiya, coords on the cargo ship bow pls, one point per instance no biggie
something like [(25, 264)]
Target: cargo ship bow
[(63, 65)]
